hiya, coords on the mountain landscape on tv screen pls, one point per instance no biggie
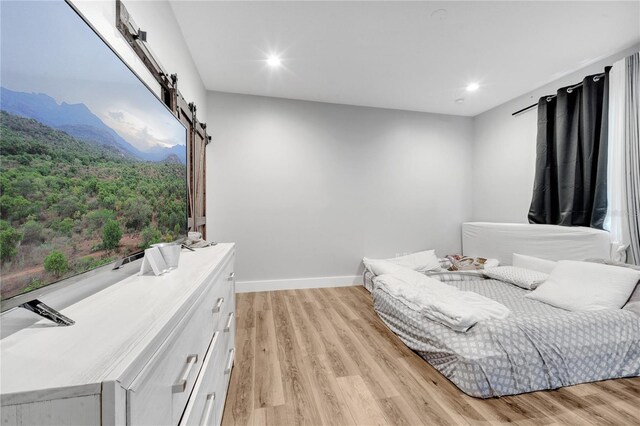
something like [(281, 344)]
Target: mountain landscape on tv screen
[(74, 195), (78, 121)]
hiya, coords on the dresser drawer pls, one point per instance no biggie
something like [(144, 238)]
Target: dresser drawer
[(229, 356), (217, 389), (221, 299), (159, 394), (224, 371), (204, 404), (228, 320)]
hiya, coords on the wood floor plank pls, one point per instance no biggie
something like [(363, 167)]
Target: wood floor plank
[(554, 412), (632, 386), (526, 414), (259, 417), (582, 390), (268, 390), (341, 363), (318, 295), (504, 413), (332, 406), (592, 406), (371, 372), (360, 303), (409, 386), (246, 310), (324, 357), (363, 328), (622, 401), (297, 389), (398, 412), (308, 340), (239, 403), (373, 324), (611, 409), (262, 301), (442, 390), (361, 403), (336, 296), (576, 408), (307, 298), (281, 415)]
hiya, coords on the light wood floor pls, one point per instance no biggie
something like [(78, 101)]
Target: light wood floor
[(322, 356)]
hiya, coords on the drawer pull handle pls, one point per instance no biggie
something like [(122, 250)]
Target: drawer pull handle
[(227, 369), (218, 306), (208, 408), (228, 326), (231, 276), (181, 385)]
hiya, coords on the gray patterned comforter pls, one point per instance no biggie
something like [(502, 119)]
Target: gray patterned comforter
[(537, 347)]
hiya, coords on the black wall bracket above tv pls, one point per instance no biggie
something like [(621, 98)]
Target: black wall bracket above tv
[(46, 311)]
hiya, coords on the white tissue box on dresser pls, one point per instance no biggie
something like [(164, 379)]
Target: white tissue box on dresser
[(146, 350)]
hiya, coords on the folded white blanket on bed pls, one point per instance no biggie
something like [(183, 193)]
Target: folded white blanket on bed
[(437, 301)]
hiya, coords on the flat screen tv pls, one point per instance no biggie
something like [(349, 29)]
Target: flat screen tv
[(93, 165)]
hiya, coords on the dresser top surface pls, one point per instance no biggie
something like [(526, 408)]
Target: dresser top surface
[(113, 328)]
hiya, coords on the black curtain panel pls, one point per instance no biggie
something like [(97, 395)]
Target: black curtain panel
[(570, 186)]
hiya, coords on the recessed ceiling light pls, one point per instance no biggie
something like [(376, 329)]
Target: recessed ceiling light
[(472, 87), (274, 61)]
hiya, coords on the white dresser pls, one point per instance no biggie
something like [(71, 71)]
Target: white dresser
[(145, 351)]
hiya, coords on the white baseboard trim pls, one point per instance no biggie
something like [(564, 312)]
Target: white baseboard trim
[(297, 283)]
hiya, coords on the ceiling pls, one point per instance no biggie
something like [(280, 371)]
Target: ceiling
[(416, 56)]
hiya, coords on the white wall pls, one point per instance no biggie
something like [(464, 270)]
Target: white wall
[(504, 151), (307, 189), (164, 38)]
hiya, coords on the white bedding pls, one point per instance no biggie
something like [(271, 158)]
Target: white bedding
[(437, 301)]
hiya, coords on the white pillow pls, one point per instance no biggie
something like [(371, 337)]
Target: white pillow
[(525, 278), (633, 304), (533, 263), (380, 266), (584, 286), (421, 261)]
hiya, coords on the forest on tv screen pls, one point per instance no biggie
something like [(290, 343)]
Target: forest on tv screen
[(68, 205)]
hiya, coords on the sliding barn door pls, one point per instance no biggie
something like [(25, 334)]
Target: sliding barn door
[(196, 166), (186, 112)]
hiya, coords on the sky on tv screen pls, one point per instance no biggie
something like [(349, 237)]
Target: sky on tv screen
[(46, 48)]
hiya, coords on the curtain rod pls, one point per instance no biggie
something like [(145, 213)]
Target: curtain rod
[(569, 90)]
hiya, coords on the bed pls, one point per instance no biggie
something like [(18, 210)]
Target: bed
[(537, 347)]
